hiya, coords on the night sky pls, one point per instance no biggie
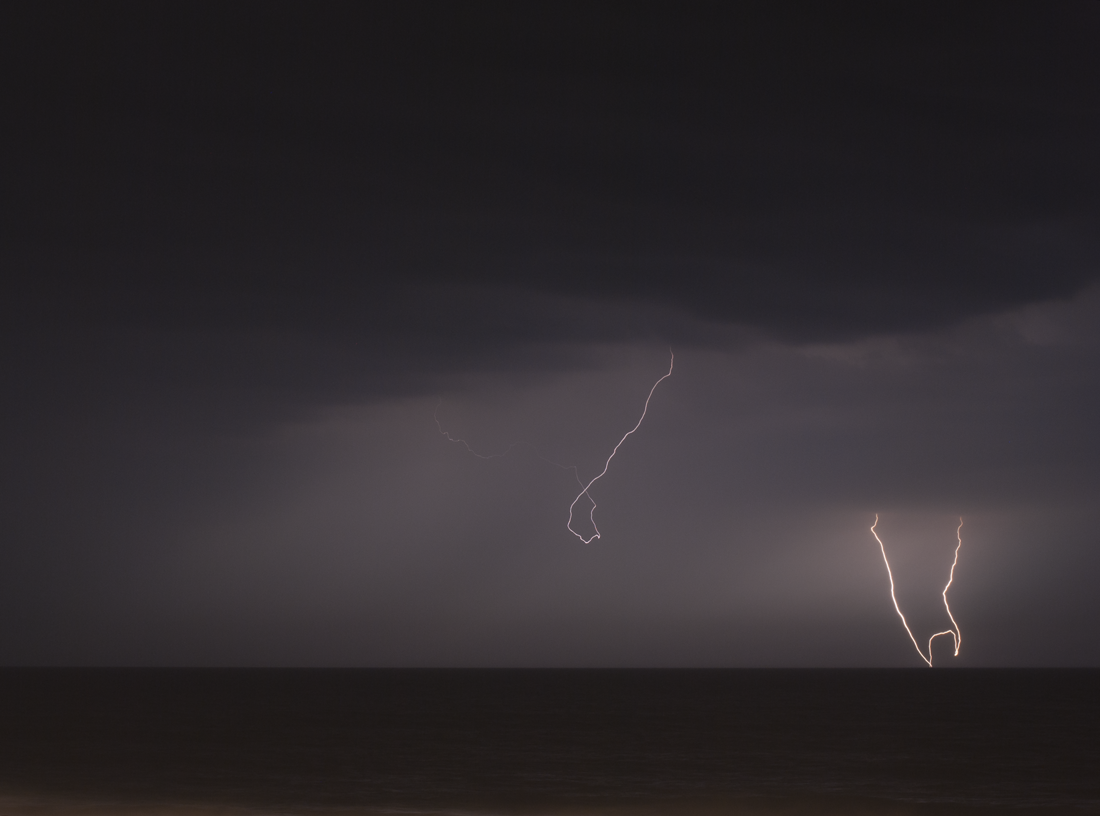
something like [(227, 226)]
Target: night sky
[(252, 252)]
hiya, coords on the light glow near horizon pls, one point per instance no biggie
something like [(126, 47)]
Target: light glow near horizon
[(956, 635), (584, 487)]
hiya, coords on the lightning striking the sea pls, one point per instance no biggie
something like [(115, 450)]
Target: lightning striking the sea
[(956, 635), (584, 487)]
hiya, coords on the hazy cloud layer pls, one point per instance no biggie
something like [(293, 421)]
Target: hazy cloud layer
[(735, 522)]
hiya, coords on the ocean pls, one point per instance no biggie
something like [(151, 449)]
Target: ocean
[(485, 742)]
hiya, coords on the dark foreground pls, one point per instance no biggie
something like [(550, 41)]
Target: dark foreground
[(489, 742)]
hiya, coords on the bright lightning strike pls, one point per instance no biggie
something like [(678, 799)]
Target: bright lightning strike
[(956, 635), (584, 487)]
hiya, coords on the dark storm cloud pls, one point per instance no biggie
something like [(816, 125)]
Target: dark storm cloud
[(810, 171)]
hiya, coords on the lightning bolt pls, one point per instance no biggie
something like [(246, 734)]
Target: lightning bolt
[(584, 487), (584, 491), (956, 635)]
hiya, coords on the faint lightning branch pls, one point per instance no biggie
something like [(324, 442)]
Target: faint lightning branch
[(956, 635), (466, 444), (510, 448), (584, 490)]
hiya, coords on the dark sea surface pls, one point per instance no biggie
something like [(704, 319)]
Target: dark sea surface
[(553, 741)]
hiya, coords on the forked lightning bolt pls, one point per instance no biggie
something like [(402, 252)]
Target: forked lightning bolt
[(584, 487), (956, 635)]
